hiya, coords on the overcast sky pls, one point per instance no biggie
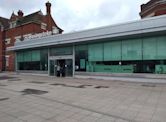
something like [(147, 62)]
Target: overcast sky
[(74, 15)]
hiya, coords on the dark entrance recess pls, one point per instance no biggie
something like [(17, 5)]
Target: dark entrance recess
[(61, 67)]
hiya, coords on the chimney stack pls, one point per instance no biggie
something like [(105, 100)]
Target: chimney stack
[(48, 7), (20, 13)]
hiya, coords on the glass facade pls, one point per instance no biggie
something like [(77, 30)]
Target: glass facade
[(32, 60), (140, 55)]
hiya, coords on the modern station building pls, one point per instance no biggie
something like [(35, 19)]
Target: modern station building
[(134, 47)]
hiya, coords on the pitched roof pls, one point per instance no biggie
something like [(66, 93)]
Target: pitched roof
[(4, 22), (34, 17), (13, 17)]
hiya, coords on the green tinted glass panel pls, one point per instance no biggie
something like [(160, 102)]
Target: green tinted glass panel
[(44, 59), (20, 57), (160, 69), (36, 55), (132, 49), (44, 55), (27, 56), (161, 47), (149, 48), (95, 52), (82, 63), (92, 67), (112, 51)]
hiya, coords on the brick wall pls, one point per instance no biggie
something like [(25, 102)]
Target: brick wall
[(30, 28), (153, 8), (1, 49)]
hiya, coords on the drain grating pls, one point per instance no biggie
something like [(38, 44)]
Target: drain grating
[(37, 82), (3, 99), (33, 91), (98, 87), (148, 85)]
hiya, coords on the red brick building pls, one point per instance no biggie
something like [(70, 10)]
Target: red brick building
[(153, 8), (19, 27)]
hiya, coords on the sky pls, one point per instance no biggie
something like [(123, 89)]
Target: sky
[(77, 15)]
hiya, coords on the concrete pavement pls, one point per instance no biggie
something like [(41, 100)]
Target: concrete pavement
[(26, 98)]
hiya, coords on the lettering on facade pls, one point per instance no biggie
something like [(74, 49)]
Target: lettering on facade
[(39, 35), (61, 57)]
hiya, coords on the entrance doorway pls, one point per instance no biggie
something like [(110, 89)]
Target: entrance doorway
[(61, 68)]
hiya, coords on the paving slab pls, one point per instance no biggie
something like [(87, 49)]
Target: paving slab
[(80, 100)]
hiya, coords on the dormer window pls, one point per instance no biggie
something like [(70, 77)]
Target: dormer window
[(13, 24), (43, 26)]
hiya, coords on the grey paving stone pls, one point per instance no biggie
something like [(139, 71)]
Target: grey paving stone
[(106, 119), (31, 118), (121, 102)]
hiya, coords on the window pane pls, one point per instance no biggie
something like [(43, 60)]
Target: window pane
[(112, 51), (27, 56), (20, 56), (81, 57), (44, 59), (36, 55), (132, 49), (95, 52), (149, 48)]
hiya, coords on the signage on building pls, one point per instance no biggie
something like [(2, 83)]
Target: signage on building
[(61, 57), (39, 35)]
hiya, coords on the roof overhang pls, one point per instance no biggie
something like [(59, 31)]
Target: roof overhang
[(141, 28)]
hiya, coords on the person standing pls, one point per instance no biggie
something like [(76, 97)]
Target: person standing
[(58, 70)]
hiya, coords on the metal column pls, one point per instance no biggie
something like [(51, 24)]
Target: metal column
[(73, 60), (48, 62)]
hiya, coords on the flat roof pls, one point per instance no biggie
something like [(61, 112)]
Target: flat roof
[(144, 26)]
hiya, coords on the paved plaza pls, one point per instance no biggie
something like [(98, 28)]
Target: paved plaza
[(29, 98)]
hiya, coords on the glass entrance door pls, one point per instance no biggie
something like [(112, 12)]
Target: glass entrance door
[(69, 67), (53, 67), (61, 67)]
